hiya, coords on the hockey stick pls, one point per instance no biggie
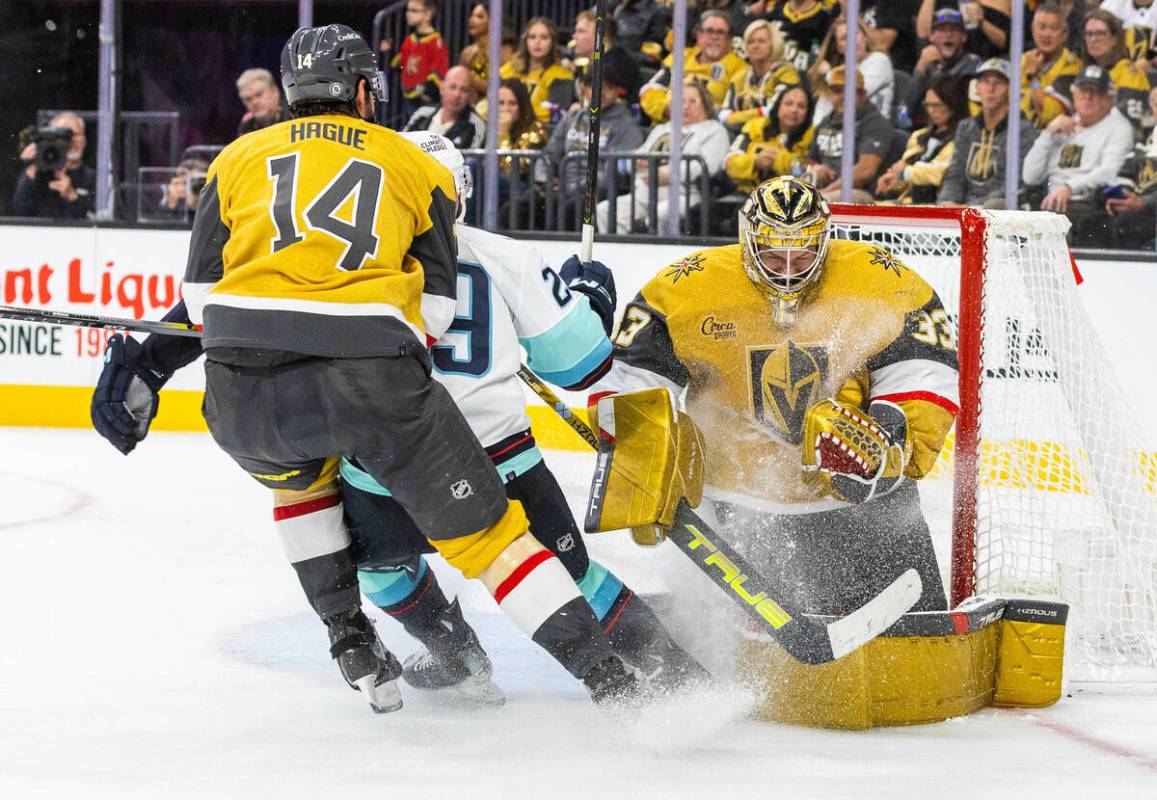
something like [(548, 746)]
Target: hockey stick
[(596, 113), (93, 321), (810, 640)]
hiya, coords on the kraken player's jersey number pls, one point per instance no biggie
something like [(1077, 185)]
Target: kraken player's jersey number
[(360, 179)]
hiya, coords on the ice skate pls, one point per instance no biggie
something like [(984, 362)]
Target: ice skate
[(365, 663), (611, 681), (453, 660)]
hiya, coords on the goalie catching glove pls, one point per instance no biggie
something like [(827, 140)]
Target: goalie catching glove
[(864, 453), (650, 458)]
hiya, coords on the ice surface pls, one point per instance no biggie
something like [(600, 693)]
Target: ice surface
[(156, 645)]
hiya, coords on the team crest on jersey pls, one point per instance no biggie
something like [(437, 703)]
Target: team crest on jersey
[(783, 381), (685, 267), (1071, 155), (883, 258)]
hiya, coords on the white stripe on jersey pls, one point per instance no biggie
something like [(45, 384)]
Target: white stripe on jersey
[(624, 377), (916, 376)]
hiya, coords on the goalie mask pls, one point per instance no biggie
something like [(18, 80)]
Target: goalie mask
[(444, 151), (783, 234)]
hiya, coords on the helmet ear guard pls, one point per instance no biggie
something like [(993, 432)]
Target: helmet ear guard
[(782, 218)]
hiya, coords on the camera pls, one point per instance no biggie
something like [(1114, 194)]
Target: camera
[(52, 146), (196, 183)]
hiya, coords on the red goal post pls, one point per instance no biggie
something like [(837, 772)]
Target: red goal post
[(1042, 490)]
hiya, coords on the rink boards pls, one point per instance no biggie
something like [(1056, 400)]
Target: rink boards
[(47, 371)]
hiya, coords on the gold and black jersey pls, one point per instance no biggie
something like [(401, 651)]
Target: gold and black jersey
[(803, 30), (327, 236), (871, 329)]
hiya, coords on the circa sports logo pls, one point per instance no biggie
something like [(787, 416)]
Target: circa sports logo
[(717, 329)]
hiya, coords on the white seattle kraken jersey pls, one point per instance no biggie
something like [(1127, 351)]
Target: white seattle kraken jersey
[(508, 296)]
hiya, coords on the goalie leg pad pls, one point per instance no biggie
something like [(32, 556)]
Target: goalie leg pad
[(650, 457), (1030, 659)]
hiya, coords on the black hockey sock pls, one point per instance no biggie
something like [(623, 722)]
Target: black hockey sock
[(572, 636), (330, 582)]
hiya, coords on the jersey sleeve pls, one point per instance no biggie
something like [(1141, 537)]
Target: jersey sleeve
[(205, 265), (563, 336), (644, 354), (435, 248), (918, 371)]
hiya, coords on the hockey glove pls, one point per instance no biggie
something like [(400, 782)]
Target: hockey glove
[(125, 399), (597, 282), (864, 454)]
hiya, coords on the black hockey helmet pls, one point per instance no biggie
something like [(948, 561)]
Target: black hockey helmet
[(323, 65)]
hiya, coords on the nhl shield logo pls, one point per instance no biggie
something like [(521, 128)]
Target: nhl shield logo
[(784, 380), (461, 489)]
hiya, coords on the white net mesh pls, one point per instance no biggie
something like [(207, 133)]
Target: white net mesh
[(1065, 491)]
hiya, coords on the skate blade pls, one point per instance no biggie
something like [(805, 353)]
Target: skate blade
[(384, 698)]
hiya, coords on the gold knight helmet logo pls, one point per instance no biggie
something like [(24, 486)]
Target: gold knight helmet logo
[(785, 380)]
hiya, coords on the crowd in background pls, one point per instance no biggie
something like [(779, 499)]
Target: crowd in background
[(764, 96)]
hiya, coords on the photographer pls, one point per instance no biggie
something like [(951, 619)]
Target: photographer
[(183, 189), (55, 183)]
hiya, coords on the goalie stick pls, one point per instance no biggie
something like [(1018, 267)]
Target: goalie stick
[(808, 639), (93, 321)]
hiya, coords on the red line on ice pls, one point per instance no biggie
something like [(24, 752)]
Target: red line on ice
[(1092, 741), (80, 500)]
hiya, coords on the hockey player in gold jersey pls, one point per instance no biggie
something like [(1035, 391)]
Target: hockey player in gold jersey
[(822, 373), (322, 263)]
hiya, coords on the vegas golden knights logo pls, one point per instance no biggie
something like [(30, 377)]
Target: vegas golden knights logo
[(1070, 156), (784, 380)]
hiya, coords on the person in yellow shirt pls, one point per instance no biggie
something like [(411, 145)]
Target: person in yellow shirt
[(711, 60), (1047, 71), (773, 145), (1104, 45), (916, 177), (536, 64), (755, 88)]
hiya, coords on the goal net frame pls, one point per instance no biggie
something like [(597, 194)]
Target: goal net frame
[(1035, 240)]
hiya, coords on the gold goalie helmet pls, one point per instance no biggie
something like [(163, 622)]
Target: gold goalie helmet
[(783, 231)]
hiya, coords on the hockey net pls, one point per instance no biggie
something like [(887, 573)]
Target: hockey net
[(1045, 488)]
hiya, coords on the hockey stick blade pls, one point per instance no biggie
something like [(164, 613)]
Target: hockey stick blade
[(809, 640), (94, 321)]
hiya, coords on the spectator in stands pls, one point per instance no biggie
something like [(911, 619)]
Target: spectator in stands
[(453, 117), (891, 31), (582, 50), (804, 24), (475, 56), (916, 177), (1076, 157), (986, 22), (262, 99), (518, 126), (754, 88), (423, 58), (184, 189), (944, 55), (641, 30), (872, 143), (1047, 70), (1139, 19), (703, 136), (60, 194), (773, 145), (1104, 45), (618, 131), (873, 65), (1132, 202), (975, 175), (536, 64), (710, 61)]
